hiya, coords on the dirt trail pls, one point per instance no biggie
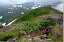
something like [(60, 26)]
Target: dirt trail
[(7, 28)]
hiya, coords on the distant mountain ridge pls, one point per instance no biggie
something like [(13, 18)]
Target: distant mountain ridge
[(10, 12), (37, 12)]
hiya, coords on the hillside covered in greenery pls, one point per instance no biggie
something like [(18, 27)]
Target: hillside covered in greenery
[(37, 12), (41, 24)]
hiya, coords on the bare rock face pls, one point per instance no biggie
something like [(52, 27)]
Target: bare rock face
[(58, 33), (1, 26)]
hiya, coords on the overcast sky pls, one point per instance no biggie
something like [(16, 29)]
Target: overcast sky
[(22, 1)]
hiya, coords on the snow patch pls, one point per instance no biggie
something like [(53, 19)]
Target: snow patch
[(34, 7), (1, 17), (11, 22), (22, 13), (10, 12), (39, 6), (27, 8), (4, 24)]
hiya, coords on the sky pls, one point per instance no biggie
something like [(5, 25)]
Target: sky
[(40, 1), (22, 1), (59, 7)]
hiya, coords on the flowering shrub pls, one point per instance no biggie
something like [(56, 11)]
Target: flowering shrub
[(38, 32)]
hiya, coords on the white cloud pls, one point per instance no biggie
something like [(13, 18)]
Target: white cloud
[(22, 1), (12, 1), (59, 7)]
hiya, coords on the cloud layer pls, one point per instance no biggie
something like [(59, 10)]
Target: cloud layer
[(22, 1)]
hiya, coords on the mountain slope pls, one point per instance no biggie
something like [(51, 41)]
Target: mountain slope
[(10, 12), (37, 12), (36, 23)]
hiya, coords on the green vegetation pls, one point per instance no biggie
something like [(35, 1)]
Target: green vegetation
[(28, 27), (53, 37), (36, 12), (39, 25), (13, 33), (31, 26)]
